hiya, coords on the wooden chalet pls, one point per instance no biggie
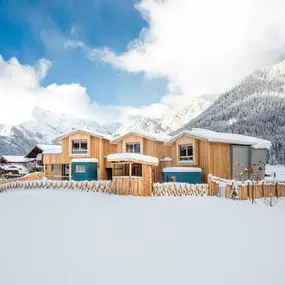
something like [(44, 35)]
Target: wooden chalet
[(36, 152), (187, 157)]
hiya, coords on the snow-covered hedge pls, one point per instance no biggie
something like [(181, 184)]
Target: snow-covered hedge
[(179, 189), (98, 186)]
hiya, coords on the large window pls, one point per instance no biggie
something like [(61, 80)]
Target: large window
[(133, 147), (186, 152), (79, 147), (80, 168)]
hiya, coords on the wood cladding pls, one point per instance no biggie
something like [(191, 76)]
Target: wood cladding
[(214, 158), (136, 186)]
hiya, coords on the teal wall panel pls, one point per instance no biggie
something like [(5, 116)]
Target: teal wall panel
[(184, 177), (91, 171)]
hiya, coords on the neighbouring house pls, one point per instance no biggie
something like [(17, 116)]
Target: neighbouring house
[(14, 164), (226, 155), (36, 152), (186, 157)]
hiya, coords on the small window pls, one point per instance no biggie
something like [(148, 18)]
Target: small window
[(171, 178), (80, 168), (54, 167), (133, 148), (186, 152), (79, 147)]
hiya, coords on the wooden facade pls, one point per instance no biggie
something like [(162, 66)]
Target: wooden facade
[(214, 158), (97, 147)]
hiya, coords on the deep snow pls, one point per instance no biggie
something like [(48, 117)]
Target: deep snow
[(66, 237)]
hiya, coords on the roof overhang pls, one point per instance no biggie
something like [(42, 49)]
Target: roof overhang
[(32, 149)]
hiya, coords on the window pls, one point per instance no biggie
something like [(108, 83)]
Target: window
[(171, 178), (133, 147), (54, 167), (186, 152), (79, 147), (80, 168)]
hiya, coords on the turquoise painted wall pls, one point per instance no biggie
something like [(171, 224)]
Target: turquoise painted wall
[(184, 177), (91, 171)]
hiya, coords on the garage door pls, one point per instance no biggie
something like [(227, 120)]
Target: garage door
[(240, 162)]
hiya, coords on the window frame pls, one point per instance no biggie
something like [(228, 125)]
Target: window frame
[(80, 171), (133, 147), (80, 151), (171, 179), (54, 168), (190, 157)]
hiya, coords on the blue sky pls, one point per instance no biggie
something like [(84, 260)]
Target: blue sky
[(32, 29)]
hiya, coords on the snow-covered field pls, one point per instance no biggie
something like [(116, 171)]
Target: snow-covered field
[(52, 237), (278, 169)]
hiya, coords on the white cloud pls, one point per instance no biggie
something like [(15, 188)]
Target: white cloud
[(21, 91), (203, 47)]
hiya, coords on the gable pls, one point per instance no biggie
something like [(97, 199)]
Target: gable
[(181, 139), (81, 133)]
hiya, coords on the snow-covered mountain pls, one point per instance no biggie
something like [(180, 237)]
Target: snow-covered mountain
[(113, 127), (169, 121), (255, 107), (43, 127)]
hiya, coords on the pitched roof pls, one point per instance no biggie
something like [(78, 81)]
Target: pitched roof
[(14, 158), (44, 147), (140, 133), (54, 150), (229, 138), (12, 167), (95, 134)]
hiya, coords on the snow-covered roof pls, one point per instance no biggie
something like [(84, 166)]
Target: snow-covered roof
[(132, 157), (92, 133), (15, 158), (229, 138), (84, 160), (55, 150), (140, 133), (13, 167), (48, 148), (182, 169)]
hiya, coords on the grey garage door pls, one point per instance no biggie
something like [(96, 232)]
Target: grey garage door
[(240, 162)]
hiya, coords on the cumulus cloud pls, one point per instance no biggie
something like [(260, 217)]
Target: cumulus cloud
[(203, 47), (21, 91)]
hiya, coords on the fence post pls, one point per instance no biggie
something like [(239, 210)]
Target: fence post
[(276, 189), (252, 192)]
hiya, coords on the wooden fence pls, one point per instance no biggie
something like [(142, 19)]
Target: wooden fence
[(30, 177), (130, 186), (96, 186), (179, 189), (118, 186), (247, 189)]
